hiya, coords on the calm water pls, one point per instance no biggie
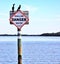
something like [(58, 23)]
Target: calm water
[(36, 50)]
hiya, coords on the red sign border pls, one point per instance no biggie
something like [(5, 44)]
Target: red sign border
[(23, 15)]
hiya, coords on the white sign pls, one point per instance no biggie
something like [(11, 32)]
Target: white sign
[(19, 19)]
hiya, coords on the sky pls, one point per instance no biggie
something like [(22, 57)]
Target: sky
[(44, 16)]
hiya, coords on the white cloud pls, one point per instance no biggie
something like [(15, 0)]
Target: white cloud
[(30, 8)]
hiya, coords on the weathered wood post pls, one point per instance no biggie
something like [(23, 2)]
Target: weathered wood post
[(19, 48)]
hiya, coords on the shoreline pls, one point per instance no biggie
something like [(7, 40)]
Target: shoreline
[(33, 35), (43, 34)]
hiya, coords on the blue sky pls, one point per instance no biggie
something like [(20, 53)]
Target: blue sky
[(44, 16)]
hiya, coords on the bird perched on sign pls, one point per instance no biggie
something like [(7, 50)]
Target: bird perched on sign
[(13, 8), (19, 7)]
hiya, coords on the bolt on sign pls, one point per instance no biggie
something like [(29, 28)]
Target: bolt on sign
[(19, 18)]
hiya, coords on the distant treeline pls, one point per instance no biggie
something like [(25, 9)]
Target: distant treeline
[(8, 35), (17, 35), (44, 34), (51, 34)]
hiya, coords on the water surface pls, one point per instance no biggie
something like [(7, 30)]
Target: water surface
[(35, 50)]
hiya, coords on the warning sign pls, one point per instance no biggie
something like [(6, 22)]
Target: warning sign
[(19, 19)]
